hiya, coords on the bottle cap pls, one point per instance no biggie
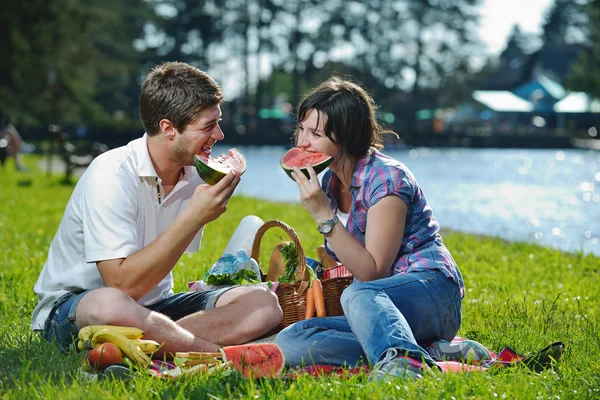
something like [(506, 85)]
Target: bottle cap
[(242, 255)]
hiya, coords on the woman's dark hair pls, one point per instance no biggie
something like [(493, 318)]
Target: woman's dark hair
[(351, 116), (178, 92)]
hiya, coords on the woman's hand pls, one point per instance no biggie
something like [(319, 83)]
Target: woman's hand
[(312, 196)]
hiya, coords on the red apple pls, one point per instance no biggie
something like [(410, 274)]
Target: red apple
[(105, 354)]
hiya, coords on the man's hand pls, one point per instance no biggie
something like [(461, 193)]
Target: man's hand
[(148, 266), (209, 202)]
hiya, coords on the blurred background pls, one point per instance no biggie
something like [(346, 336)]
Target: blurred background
[(503, 73), (495, 101)]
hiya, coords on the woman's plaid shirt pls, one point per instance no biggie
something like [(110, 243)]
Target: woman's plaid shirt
[(376, 176)]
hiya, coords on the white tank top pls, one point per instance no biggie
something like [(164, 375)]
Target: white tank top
[(343, 217)]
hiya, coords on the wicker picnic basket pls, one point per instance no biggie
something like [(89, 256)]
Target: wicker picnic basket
[(292, 296)]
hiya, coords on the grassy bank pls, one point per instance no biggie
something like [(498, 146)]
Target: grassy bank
[(518, 295)]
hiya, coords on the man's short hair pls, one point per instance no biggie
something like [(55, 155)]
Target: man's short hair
[(178, 92)]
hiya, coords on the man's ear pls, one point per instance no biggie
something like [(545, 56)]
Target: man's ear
[(167, 128)]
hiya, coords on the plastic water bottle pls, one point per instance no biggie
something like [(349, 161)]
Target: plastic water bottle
[(244, 234), (245, 262)]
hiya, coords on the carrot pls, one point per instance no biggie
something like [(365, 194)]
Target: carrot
[(310, 304), (317, 288)]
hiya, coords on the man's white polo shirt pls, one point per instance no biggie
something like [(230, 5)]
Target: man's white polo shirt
[(116, 209)]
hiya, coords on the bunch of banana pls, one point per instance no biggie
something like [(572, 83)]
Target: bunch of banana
[(127, 339), (85, 334)]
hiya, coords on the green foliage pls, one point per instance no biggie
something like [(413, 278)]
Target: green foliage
[(241, 277), (563, 22), (585, 75), (290, 258), (76, 62), (70, 61), (518, 295), (518, 44)]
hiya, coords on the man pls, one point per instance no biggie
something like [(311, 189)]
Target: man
[(133, 213), (10, 144)]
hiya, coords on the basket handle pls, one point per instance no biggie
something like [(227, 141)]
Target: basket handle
[(292, 234)]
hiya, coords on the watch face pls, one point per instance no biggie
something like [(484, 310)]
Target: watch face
[(326, 228)]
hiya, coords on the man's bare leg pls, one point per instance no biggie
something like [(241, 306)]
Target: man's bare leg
[(241, 315), (108, 306)]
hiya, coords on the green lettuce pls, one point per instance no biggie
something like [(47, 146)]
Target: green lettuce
[(241, 277)]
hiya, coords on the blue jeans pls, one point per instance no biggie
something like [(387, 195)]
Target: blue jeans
[(398, 312), (61, 325)]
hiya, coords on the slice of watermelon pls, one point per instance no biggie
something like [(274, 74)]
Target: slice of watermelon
[(212, 170), (255, 360), (296, 157)]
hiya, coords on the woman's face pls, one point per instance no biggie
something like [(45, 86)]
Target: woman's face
[(311, 137)]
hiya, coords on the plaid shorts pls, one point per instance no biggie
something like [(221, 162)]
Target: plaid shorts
[(61, 326)]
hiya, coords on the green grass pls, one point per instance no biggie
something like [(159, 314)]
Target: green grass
[(518, 295)]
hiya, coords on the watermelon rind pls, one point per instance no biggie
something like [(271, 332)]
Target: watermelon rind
[(319, 167), (210, 175)]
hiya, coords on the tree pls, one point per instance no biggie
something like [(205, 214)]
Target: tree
[(564, 23), (408, 46), (585, 75), (404, 50), (65, 61), (517, 45), (186, 30)]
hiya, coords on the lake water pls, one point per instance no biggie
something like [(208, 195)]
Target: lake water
[(550, 197)]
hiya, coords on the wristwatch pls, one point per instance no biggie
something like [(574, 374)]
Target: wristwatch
[(326, 226)]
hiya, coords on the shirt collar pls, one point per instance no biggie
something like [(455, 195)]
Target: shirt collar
[(145, 167), (358, 176)]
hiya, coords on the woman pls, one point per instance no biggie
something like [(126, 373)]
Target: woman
[(376, 221)]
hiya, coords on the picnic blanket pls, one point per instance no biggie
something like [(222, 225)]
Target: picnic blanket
[(461, 355), (266, 360)]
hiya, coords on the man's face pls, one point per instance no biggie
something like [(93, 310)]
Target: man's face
[(198, 137)]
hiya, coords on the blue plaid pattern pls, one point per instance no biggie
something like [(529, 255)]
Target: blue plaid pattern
[(376, 176)]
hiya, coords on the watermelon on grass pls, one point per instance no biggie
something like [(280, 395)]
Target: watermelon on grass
[(212, 170), (297, 157), (255, 360)]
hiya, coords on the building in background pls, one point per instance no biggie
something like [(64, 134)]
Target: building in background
[(525, 101)]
